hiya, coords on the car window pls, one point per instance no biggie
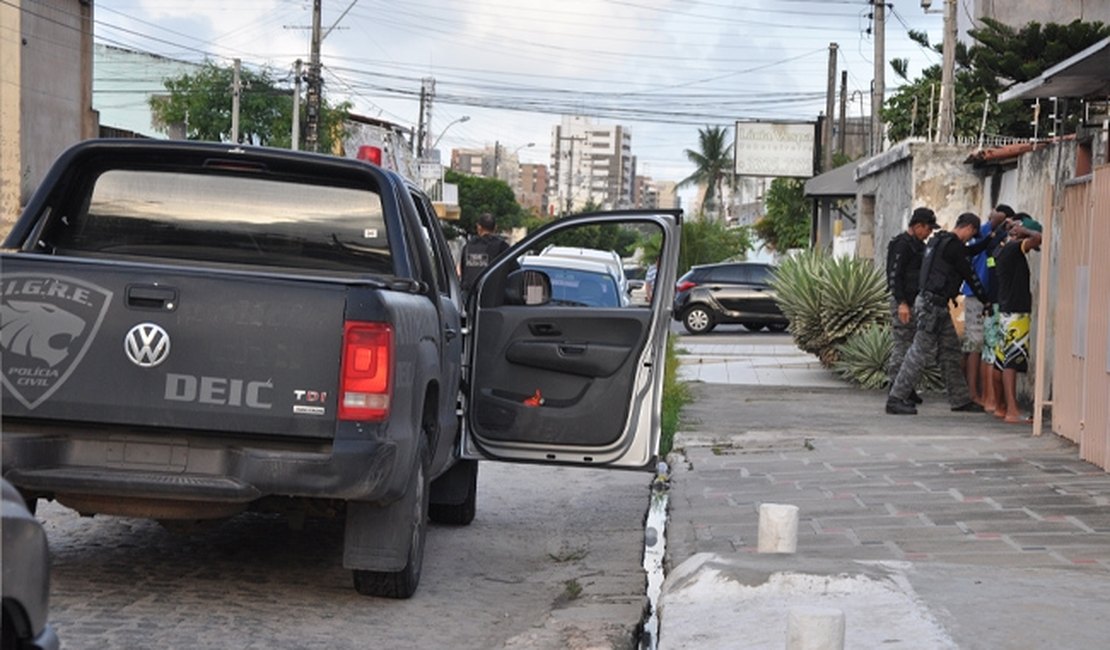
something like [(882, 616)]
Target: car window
[(229, 218), (759, 274), (427, 222), (731, 274), (574, 288)]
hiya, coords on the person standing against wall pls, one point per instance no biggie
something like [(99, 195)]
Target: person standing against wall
[(945, 264), (1015, 306), (974, 313), (903, 268)]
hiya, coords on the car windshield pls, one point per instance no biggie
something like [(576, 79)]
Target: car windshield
[(575, 288)]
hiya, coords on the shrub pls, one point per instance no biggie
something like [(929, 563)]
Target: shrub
[(863, 358), (675, 396), (829, 300)]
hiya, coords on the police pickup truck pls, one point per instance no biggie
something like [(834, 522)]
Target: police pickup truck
[(194, 330)]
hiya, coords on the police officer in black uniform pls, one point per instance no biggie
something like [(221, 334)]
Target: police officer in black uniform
[(943, 267), (480, 251), (903, 267)]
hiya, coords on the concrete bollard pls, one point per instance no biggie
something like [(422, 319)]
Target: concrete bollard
[(778, 528), (815, 628)]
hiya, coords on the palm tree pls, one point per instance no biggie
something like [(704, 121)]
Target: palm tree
[(713, 165)]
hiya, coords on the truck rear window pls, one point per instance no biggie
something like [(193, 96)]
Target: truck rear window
[(234, 219)]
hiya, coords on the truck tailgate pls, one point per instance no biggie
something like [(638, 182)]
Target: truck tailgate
[(178, 348)]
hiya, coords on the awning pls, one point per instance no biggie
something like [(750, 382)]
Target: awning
[(1086, 74), (836, 183)]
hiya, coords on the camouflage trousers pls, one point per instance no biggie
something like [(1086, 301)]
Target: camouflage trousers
[(935, 339), (902, 333)]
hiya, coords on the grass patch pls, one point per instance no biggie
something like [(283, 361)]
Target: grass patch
[(675, 396)]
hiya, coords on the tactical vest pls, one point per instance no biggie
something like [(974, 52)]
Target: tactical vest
[(477, 255), (937, 275)]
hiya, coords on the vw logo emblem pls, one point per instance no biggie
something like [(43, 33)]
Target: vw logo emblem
[(147, 345)]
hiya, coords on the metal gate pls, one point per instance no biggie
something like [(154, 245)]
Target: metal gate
[(1081, 366)]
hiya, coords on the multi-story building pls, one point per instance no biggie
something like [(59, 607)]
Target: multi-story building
[(531, 192), (590, 164), (644, 193), (666, 193)]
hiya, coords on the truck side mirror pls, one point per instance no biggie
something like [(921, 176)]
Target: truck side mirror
[(527, 287)]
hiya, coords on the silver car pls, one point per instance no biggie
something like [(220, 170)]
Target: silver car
[(26, 581)]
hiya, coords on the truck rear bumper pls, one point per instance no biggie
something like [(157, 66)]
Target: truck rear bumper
[(195, 467)]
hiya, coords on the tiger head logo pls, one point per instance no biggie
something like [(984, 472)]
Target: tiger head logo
[(47, 323), (33, 329)]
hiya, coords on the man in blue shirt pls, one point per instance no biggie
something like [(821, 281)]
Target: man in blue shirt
[(975, 353)]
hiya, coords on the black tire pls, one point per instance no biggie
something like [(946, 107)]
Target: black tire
[(752, 327), (778, 327), (403, 583), (462, 479), (698, 320)]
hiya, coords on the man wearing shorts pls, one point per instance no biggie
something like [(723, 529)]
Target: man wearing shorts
[(1015, 304), (978, 378)]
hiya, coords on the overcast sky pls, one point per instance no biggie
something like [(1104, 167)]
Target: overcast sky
[(660, 67)]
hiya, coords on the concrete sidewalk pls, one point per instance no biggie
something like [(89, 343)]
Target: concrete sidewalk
[(940, 530)]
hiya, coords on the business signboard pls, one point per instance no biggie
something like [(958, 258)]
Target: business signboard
[(774, 148)]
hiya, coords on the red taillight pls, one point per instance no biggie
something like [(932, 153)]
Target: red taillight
[(367, 371), (370, 154), (684, 286)]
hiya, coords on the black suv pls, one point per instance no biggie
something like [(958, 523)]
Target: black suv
[(733, 292)]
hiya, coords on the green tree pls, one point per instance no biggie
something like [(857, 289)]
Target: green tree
[(1000, 56), (712, 167), (202, 101), (703, 242), (478, 194), (786, 224)]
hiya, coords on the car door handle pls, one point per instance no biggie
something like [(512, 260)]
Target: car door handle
[(151, 297), (572, 349), (544, 329)]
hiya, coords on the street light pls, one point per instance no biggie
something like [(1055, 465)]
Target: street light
[(523, 146), (464, 118)]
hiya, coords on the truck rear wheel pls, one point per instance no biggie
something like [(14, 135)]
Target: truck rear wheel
[(403, 583)]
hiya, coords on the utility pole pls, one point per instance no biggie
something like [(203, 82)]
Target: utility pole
[(424, 142), (570, 166), (830, 108), (312, 94), (496, 156), (946, 127), (843, 134), (878, 90), (296, 135), (236, 87)]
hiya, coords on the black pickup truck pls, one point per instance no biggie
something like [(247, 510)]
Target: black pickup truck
[(191, 330)]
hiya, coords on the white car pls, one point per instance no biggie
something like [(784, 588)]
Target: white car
[(609, 259), (579, 282)]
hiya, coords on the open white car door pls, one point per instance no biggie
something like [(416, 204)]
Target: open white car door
[(561, 369)]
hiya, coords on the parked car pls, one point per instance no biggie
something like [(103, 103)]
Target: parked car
[(26, 572), (578, 282), (733, 292), (194, 330), (635, 276), (609, 258)]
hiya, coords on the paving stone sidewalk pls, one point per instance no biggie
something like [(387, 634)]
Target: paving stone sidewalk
[(963, 496)]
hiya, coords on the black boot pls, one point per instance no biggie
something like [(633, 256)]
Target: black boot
[(970, 407), (915, 398), (896, 406)]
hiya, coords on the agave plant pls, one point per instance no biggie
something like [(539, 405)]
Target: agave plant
[(863, 360), (829, 300)]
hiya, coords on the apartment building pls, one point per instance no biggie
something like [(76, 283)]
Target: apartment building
[(531, 192), (590, 164)]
